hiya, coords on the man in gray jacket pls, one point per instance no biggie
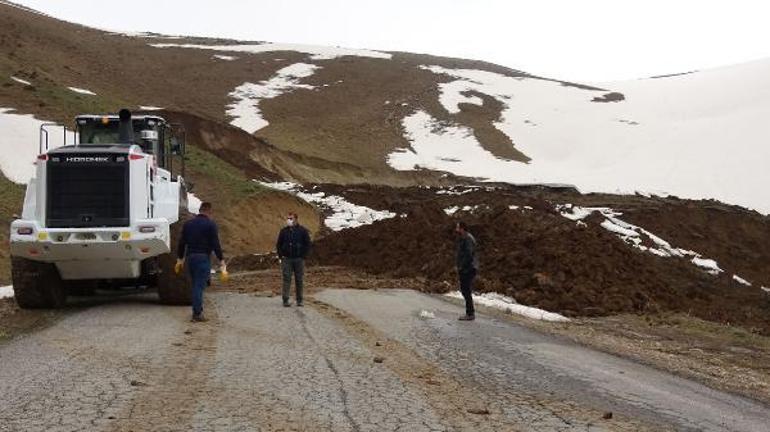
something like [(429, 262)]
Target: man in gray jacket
[(467, 267)]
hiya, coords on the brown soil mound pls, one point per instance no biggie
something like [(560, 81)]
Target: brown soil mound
[(545, 260)]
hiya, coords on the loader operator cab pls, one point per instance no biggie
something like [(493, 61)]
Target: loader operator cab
[(152, 133)]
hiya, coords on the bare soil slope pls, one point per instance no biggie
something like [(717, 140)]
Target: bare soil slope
[(546, 260)]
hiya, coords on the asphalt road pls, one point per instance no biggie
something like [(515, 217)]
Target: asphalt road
[(351, 361)]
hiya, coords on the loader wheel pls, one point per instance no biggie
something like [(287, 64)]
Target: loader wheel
[(173, 289), (37, 285)]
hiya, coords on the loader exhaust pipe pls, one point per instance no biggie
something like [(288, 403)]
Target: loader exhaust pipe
[(126, 127)]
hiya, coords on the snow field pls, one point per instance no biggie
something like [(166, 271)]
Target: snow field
[(696, 136)]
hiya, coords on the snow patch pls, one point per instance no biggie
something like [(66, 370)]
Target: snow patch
[(344, 214), (454, 209), (224, 57), (21, 81), (150, 108), (741, 280), (767, 290), (6, 291), (424, 314), (709, 265), (19, 144), (456, 191), (316, 52), (245, 110), (509, 305), (633, 235), (82, 91)]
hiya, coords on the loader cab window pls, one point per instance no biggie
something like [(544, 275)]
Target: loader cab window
[(98, 133), (148, 133)]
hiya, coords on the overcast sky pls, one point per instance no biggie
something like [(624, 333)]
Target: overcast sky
[(579, 40)]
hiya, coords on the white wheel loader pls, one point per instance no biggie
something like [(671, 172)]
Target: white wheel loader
[(103, 211)]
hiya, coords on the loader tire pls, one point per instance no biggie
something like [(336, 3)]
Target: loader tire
[(37, 285), (173, 289)]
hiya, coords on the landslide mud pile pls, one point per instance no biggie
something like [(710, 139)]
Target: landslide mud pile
[(543, 259)]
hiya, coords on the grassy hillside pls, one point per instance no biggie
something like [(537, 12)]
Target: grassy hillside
[(11, 199)]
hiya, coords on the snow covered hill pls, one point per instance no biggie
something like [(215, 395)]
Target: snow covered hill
[(698, 135)]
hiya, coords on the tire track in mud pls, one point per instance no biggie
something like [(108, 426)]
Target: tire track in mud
[(463, 407), (169, 392)]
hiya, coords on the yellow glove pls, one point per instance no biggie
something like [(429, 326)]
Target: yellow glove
[(178, 266), (224, 276)]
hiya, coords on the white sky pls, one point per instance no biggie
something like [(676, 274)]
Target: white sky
[(579, 40)]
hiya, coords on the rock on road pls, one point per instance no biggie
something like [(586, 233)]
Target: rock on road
[(348, 361)]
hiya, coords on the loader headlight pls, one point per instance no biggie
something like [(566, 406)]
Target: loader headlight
[(147, 229), (24, 231)]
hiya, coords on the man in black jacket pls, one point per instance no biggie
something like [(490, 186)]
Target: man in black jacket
[(292, 247), (467, 267), (199, 239)]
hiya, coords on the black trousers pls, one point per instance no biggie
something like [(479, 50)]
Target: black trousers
[(466, 288)]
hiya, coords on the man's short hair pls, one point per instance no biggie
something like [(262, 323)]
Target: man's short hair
[(205, 206), (294, 215), (463, 226)]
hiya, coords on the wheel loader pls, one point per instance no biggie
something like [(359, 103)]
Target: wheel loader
[(102, 211)]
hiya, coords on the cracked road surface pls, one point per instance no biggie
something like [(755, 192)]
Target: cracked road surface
[(348, 361)]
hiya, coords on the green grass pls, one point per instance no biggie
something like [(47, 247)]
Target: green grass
[(11, 202), (231, 182), (11, 198), (74, 103)]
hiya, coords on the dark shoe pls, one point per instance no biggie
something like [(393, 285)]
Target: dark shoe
[(467, 318), (199, 318), (299, 304), (286, 304)]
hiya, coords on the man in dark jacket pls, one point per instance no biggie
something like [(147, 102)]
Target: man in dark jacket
[(200, 237), (467, 267), (292, 247)]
